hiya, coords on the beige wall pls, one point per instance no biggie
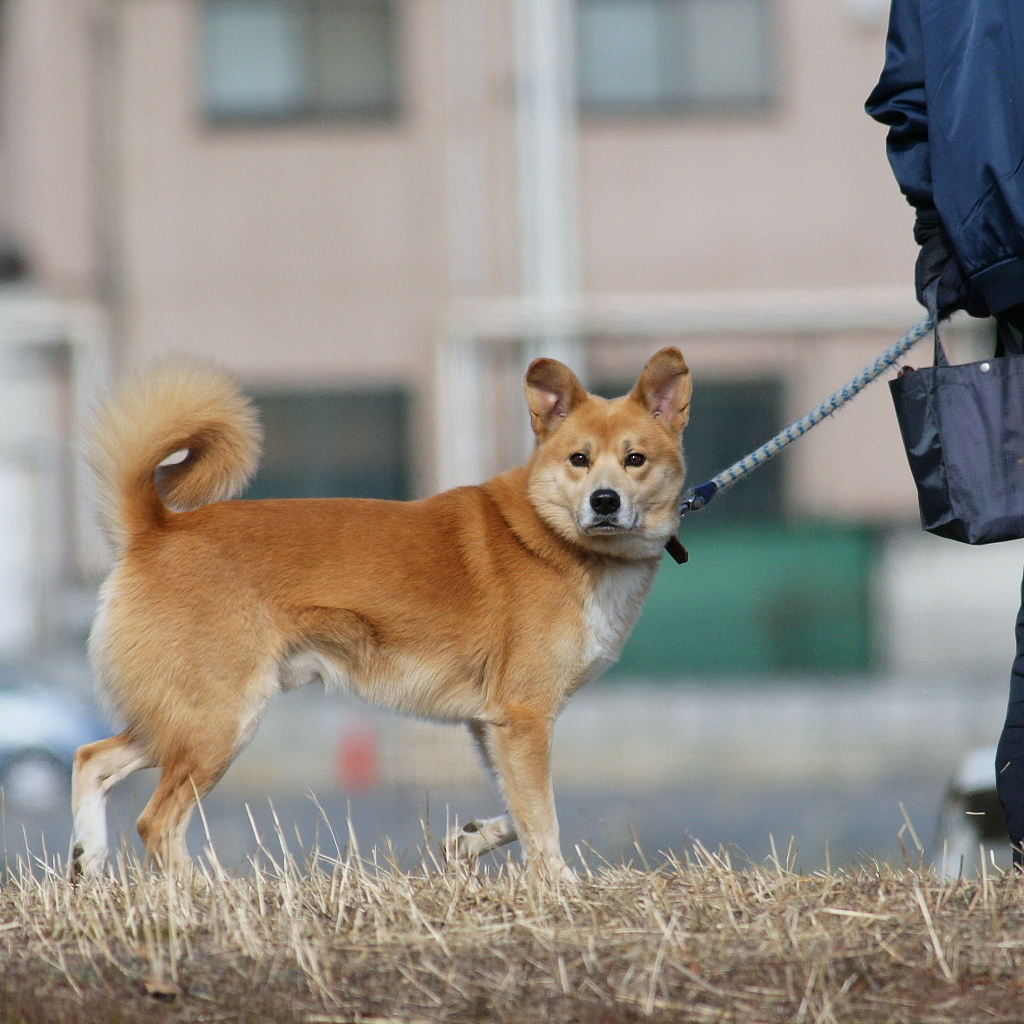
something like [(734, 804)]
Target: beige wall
[(47, 151), (293, 252), (321, 253), (800, 196)]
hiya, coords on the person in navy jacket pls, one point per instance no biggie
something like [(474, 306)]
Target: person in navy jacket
[(952, 94)]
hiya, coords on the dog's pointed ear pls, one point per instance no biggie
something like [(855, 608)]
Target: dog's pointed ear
[(664, 389), (552, 392)]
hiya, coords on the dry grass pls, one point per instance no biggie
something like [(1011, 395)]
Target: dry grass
[(340, 940)]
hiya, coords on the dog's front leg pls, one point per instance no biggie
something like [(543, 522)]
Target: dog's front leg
[(482, 835), (478, 837), (519, 744)]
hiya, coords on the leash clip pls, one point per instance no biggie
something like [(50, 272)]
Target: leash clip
[(698, 498)]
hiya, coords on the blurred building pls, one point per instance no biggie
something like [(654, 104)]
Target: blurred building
[(376, 211)]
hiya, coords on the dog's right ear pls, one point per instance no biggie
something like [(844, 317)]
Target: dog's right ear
[(552, 392)]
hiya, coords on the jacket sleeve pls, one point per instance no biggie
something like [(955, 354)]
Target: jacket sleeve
[(899, 102)]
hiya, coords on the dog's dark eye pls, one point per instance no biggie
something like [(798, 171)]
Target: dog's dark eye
[(635, 459), (579, 459)]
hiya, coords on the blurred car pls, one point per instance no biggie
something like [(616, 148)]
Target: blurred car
[(40, 730), (971, 823)]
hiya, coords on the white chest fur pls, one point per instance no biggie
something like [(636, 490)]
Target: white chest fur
[(611, 613)]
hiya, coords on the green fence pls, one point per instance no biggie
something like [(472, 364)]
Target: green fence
[(765, 600)]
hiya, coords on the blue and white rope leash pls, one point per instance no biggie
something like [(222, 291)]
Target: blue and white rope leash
[(702, 495)]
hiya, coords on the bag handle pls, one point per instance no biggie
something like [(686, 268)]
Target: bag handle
[(940, 352), (930, 296), (1008, 343)]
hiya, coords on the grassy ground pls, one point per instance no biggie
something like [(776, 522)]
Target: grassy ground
[(338, 940)]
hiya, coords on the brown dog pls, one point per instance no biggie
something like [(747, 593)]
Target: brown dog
[(488, 605)]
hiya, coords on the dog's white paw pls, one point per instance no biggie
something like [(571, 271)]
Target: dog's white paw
[(85, 865), (476, 838), (561, 873)]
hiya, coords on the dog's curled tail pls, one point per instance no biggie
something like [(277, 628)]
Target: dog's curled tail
[(179, 406)]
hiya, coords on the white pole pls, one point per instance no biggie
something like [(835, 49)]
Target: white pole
[(548, 172), (460, 452), (546, 124)]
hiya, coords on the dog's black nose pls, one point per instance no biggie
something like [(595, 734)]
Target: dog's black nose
[(605, 501)]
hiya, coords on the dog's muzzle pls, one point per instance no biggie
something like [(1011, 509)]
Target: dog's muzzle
[(605, 512), (605, 502)]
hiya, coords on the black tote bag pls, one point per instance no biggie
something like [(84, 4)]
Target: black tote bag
[(963, 429)]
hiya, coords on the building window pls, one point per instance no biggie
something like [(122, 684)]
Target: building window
[(283, 60), (334, 444), (646, 56), (737, 417)]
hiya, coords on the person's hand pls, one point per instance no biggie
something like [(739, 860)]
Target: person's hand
[(939, 278)]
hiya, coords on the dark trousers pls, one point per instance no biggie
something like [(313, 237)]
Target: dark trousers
[(1010, 751)]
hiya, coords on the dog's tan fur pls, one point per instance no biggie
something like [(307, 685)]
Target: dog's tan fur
[(488, 605)]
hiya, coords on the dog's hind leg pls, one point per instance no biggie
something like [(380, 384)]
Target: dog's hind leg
[(164, 822), (482, 835), (97, 768), (196, 749)]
